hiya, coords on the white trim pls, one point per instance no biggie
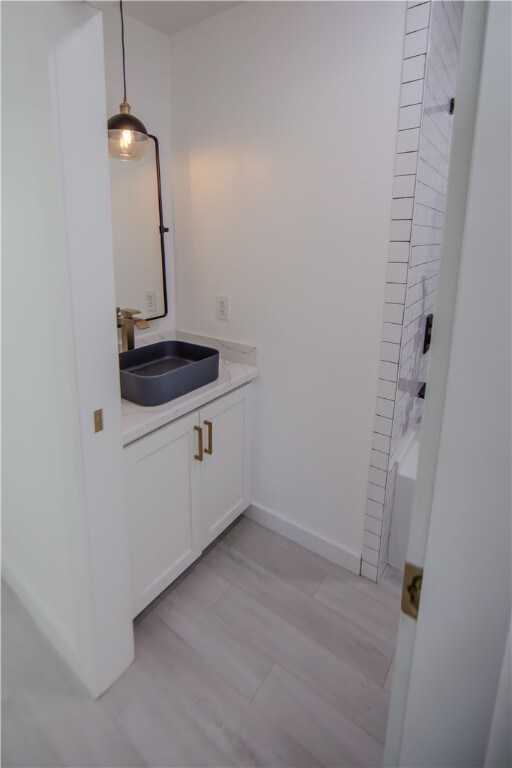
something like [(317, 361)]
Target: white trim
[(499, 746), (457, 210), (53, 630), (105, 631), (306, 538)]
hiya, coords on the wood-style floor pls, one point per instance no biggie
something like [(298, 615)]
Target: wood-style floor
[(265, 654)]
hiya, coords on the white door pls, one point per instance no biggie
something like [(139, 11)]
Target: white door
[(64, 538), (445, 685), (225, 479), (163, 480)]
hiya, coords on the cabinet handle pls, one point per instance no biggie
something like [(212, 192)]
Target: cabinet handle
[(199, 454), (209, 450)]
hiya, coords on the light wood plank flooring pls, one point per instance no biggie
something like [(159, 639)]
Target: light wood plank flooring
[(264, 654)]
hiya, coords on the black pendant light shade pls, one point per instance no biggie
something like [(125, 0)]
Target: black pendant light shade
[(127, 136)]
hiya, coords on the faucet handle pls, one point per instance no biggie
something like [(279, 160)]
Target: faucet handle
[(129, 313), (127, 322)]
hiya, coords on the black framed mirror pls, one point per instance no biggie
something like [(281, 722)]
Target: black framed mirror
[(138, 233)]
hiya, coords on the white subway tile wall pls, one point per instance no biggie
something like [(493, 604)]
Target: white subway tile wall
[(410, 117), (413, 68), (376, 493), (402, 207), (381, 443), (370, 571), (395, 293), (388, 371), (408, 140), (390, 352), (372, 525), (418, 17), (430, 59), (380, 460), (415, 42), (397, 273), (406, 162), (411, 93), (391, 332), (403, 186), (386, 389), (385, 407)]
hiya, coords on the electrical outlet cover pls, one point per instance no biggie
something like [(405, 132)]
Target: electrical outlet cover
[(223, 308), (150, 297)]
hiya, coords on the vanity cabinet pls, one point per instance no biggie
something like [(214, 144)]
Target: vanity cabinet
[(225, 476), (186, 482)]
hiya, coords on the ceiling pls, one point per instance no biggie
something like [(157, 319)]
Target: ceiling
[(169, 16)]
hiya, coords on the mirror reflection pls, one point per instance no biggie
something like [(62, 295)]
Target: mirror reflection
[(138, 234)]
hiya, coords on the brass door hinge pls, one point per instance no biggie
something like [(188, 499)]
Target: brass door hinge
[(411, 590)]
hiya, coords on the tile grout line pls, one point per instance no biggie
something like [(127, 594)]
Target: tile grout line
[(144, 685), (351, 622), (229, 585), (274, 662), (389, 668), (319, 587)]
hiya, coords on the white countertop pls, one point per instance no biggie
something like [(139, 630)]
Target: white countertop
[(139, 420)]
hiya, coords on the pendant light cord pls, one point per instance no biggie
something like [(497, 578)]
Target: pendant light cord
[(122, 45)]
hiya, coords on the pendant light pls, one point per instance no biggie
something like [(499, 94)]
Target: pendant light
[(127, 136)]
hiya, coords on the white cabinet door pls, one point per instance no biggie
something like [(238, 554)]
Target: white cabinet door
[(163, 493), (178, 504), (225, 473)]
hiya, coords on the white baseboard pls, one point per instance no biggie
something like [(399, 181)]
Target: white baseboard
[(305, 538), (52, 629)]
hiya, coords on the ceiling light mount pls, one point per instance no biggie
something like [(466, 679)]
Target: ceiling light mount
[(127, 135)]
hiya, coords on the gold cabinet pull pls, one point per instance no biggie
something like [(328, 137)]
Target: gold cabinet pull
[(209, 450), (199, 454)]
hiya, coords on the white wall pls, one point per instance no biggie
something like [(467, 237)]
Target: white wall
[(284, 121), (64, 544), (148, 92), (429, 209), (431, 55), (40, 525)]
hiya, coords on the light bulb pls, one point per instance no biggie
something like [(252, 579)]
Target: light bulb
[(126, 139), (127, 136)]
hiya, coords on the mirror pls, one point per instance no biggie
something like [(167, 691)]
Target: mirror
[(138, 234)]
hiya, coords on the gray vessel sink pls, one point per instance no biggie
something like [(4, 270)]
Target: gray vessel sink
[(160, 372)]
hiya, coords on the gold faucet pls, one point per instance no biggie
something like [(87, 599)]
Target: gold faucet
[(127, 322)]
